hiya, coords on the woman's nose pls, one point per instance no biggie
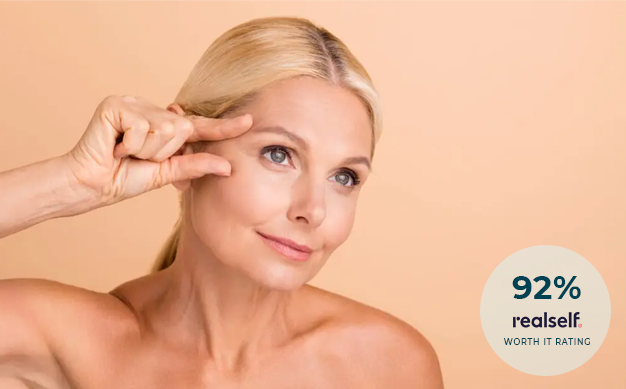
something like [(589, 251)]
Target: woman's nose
[(308, 203)]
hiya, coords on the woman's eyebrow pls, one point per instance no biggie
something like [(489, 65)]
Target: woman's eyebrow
[(304, 145), (283, 131), (362, 160)]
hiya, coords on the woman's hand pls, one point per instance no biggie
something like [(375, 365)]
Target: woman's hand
[(132, 146)]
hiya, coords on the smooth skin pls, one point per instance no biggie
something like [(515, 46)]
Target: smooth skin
[(231, 312)]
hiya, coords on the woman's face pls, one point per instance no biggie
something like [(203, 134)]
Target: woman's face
[(296, 174)]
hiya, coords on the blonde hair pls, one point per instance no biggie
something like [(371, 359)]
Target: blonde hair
[(254, 54)]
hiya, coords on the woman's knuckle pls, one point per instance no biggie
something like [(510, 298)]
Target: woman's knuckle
[(167, 129), (108, 102), (128, 98), (112, 98), (142, 125), (185, 125)]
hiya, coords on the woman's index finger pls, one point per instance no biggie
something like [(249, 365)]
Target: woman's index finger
[(209, 129)]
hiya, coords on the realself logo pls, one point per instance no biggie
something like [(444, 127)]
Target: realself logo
[(545, 322)]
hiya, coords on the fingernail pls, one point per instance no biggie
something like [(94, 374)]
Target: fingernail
[(245, 118), (221, 170)]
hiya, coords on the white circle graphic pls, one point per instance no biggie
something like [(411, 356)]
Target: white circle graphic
[(545, 310)]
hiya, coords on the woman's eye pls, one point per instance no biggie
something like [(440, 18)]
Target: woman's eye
[(280, 154), (277, 154), (346, 178)]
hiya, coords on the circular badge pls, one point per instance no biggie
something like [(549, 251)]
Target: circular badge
[(545, 310)]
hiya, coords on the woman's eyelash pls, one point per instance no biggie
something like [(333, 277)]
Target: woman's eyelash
[(272, 148), (355, 177)]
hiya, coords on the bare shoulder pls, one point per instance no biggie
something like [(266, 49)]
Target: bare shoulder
[(376, 348), (48, 310), (47, 298), (38, 317)]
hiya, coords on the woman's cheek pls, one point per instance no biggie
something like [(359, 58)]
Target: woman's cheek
[(340, 216), (257, 191)]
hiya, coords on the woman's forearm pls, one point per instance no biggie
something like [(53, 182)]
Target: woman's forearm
[(38, 192)]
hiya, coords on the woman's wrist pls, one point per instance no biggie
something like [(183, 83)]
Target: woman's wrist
[(69, 196), (41, 191)]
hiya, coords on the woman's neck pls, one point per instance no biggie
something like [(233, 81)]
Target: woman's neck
[(202, 304)]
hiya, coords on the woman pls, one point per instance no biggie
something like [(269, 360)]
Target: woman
[(268, 142)]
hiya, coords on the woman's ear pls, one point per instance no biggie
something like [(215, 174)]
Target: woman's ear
[(175, 108)]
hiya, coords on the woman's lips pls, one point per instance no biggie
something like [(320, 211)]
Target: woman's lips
[(287, 247)]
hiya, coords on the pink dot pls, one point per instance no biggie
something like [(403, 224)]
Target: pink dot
[(580, 325)]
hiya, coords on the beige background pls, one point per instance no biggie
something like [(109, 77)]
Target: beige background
[(505, 128)]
